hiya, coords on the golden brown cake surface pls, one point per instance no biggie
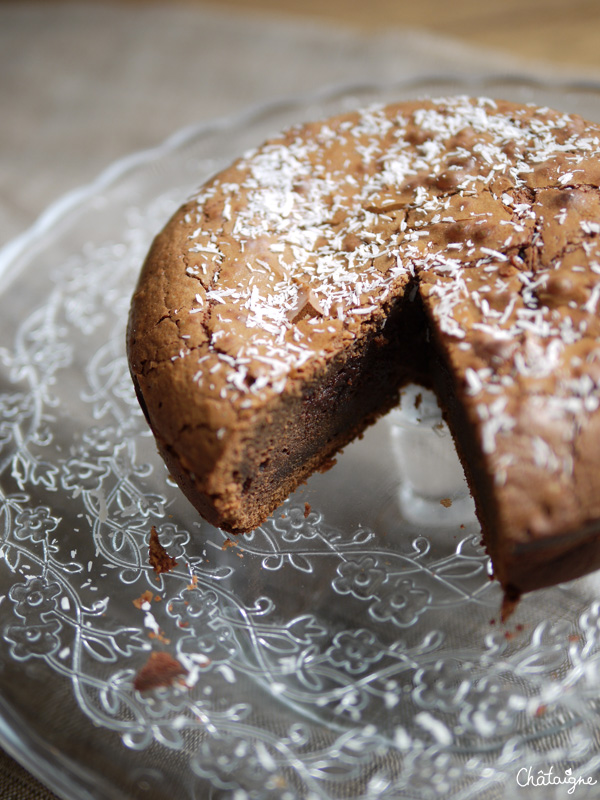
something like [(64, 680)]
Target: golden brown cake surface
[(453, 241)]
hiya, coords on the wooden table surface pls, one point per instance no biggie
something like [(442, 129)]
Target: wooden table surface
[(564, 32)]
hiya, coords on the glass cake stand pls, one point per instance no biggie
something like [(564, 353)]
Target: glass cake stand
[(349, 648)]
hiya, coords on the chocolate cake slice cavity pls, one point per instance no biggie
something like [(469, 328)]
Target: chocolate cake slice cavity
[(451, 242)]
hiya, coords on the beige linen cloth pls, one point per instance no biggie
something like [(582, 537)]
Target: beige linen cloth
[(84, 84)]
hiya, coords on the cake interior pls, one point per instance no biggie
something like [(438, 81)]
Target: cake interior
[(301, 432)]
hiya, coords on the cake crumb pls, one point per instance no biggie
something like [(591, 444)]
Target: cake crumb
[(327, 465), (159, 559), (161, 669), (228, 543), (306, 510), (146, 597), (509, 603), (446, 502), (159, 636)]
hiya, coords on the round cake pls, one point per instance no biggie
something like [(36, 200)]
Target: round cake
[(451, 242)]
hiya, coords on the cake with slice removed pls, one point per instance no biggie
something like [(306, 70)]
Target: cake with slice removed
[(452, 242)]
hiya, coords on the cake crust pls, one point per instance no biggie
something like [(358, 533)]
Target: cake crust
[(453, 242)]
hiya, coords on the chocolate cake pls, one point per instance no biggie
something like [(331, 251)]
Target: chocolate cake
[(451, 242)]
